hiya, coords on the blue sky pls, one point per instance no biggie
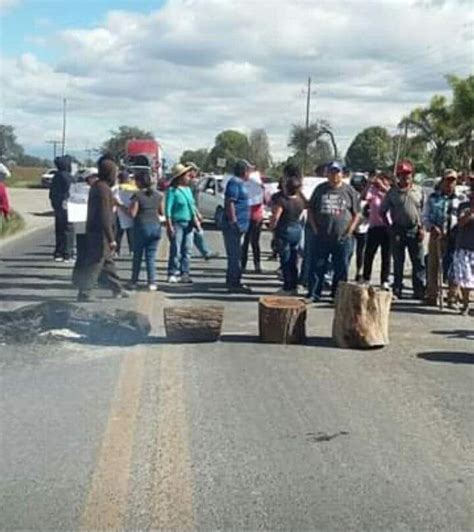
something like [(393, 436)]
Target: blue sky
[(34, 18), (189, 69)]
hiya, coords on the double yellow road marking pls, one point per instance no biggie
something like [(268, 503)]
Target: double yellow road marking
[(107, 500)]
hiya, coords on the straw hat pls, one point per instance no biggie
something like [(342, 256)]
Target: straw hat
[(450, 173), (178, 170)]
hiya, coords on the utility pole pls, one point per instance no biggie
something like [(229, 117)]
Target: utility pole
[(405, 140), (399, 146), (308, 104), (55, 145), (63, 150)]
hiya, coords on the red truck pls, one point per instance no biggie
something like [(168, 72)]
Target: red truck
[(142, 154)]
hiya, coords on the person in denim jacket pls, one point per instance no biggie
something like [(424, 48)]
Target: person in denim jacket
[(441, 221)]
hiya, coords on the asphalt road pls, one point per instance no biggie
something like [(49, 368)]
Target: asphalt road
[(232, 435)]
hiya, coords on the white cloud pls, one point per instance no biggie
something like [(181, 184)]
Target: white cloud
[(194, 68), (8, 4)]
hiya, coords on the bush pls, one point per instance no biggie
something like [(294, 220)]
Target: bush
[(11, 225), (25, 177)]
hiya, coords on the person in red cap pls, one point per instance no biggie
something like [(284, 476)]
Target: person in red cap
[(405, 203)]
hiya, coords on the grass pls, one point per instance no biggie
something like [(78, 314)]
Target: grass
[(11, 225), (25, 177)]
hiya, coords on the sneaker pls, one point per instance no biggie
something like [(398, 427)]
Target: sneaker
[(210, 256), (385, 286), (358, 278), (132, 286), (289, 293), (85, 298), (152, 287), (123, 294), (58, 259), (397, 293), (186, 279), (173, 279), (240, 289), (283, 292), (419, 295)]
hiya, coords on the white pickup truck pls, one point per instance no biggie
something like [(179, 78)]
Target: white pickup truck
[(212, 187)]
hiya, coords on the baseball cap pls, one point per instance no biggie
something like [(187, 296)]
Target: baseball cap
[(334, 166), (449, 172), (241, 165), (404, 167)]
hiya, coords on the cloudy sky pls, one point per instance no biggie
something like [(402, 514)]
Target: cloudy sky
[(188, 69)]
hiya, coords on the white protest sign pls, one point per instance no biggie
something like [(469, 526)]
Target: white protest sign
[(124, 197), (77, 203)]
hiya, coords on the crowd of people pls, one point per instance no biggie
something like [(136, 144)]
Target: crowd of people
[(314, 237)]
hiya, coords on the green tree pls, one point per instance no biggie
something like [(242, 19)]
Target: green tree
[(229, 145), (198, 157), (115, 145), (9, 147), (436, 126), (416, 150), (33, 161), (310, 146), (259, 149), (371, 148), (463, 117)]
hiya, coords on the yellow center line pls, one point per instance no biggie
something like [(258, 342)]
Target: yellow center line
[(107, 498), (172, 483), (172, 492)]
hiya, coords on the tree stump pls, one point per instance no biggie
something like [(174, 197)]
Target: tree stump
[(361, 316), (282, 320), (194, 324)]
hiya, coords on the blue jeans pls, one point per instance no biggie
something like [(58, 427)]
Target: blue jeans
[(145, 240), (288, 239), (340, 251), (181, 245), (408, 239), (201, 244), (233, 248), (309, 243)]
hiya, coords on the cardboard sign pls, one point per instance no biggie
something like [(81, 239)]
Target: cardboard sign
[(77, 203)]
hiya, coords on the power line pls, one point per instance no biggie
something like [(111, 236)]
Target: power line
[(63, 150)]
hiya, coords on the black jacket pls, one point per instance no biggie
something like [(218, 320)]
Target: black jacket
[(62, 180)]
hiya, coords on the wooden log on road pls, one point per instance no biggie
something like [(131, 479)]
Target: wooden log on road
[(193, 323), (282, 320), (361, 316)]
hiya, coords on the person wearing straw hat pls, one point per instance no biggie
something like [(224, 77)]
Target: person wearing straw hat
[(441, 219), (181, 220)]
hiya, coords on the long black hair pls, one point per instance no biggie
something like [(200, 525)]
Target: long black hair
[(144, 182), (292, 180)]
